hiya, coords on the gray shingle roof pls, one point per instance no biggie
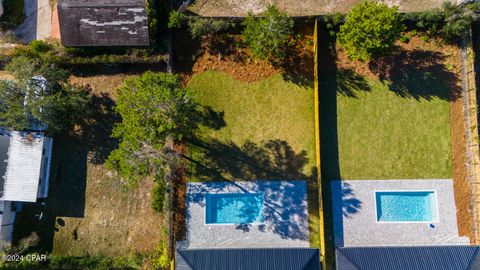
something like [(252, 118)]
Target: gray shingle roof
[(103, 23), (248, 259), (411, 258)]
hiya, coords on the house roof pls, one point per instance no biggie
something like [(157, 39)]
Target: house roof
[(239, 259), (4, 145), (103, 23), (24, 166), (412, 258)]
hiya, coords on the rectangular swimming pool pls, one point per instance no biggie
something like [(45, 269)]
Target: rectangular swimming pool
[(234, 208), (406, 206)]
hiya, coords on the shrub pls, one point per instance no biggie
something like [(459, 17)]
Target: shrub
[(370, 30), (13, 12), (161, 260), (267, 36), (458, 20), (333, 23), (175, 19), (158, 197), (200, 27)]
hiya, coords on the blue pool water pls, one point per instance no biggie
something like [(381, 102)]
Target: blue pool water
[(406, 206), (234, 208)]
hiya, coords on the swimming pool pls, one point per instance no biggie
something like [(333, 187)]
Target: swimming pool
[(406, 206), (234, 208)]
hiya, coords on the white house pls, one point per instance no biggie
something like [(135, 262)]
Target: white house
[(25, 158)]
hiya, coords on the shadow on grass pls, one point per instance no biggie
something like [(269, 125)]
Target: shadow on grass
[(349, 82), (417, 74), (218, 162)]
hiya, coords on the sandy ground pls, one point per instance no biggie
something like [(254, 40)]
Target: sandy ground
[(240, 8)]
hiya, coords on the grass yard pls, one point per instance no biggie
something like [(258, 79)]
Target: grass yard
[(384, 136), (261, 130)]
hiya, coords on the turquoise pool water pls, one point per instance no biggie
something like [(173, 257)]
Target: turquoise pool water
[(406, 206), (234, 208)]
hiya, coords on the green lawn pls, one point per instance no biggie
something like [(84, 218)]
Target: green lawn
[(264, 130), (383, 135)]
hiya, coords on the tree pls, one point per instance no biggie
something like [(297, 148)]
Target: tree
[(40, 94), (156, 112), (267, 36), (458, 20), (370, 30)]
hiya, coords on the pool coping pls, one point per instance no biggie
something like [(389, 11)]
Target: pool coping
[(437, 212)]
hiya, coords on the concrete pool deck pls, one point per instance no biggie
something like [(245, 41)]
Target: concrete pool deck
[(285, 216), (355, 217)]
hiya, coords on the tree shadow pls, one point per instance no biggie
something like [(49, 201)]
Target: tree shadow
[(349, 82), (220, 164), (417, 74), (218, 161), (99, 130), (344, 205)]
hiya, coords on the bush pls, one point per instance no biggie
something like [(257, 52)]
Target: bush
[(13, 13), (370, 30), (158, 197), (458, 21), (333, 23), (161, 260), (175, 19), (200, 27), (267, 36)]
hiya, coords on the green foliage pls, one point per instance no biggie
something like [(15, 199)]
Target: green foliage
[(158, 198), (176, 19), (370, 30), (13, 12), (200, 27), (267, 36), (333, 23), (154, 108), (151, 9), (458, 20), (27, 100), (431, 21), (161, 260)]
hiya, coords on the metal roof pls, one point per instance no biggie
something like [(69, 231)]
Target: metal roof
[(4, 145), (247, 259), (411, 258), (24, 167), (103, 23)]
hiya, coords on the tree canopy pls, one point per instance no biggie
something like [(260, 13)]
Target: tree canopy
[(267, 35), (370, 30), (39, 94), (155, 111)]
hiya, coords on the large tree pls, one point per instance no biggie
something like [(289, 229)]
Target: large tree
[(370, 30), (39, 95), (156, 113), (267, 35)]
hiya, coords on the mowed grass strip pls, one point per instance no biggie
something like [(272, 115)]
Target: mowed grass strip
[(255, 114), (385, 136)]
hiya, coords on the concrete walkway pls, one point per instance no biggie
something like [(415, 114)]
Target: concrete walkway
[(38, 22)]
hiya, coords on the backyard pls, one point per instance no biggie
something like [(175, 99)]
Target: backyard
[(265, 132), (89, 210), (399, 117)]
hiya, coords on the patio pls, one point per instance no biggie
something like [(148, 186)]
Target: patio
[(355, 216), (284, 224)]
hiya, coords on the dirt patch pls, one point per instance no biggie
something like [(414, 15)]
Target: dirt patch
[(228, 55), (180, 198)]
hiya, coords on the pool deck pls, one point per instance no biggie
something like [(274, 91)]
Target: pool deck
[(355, 218), (285, 217)]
